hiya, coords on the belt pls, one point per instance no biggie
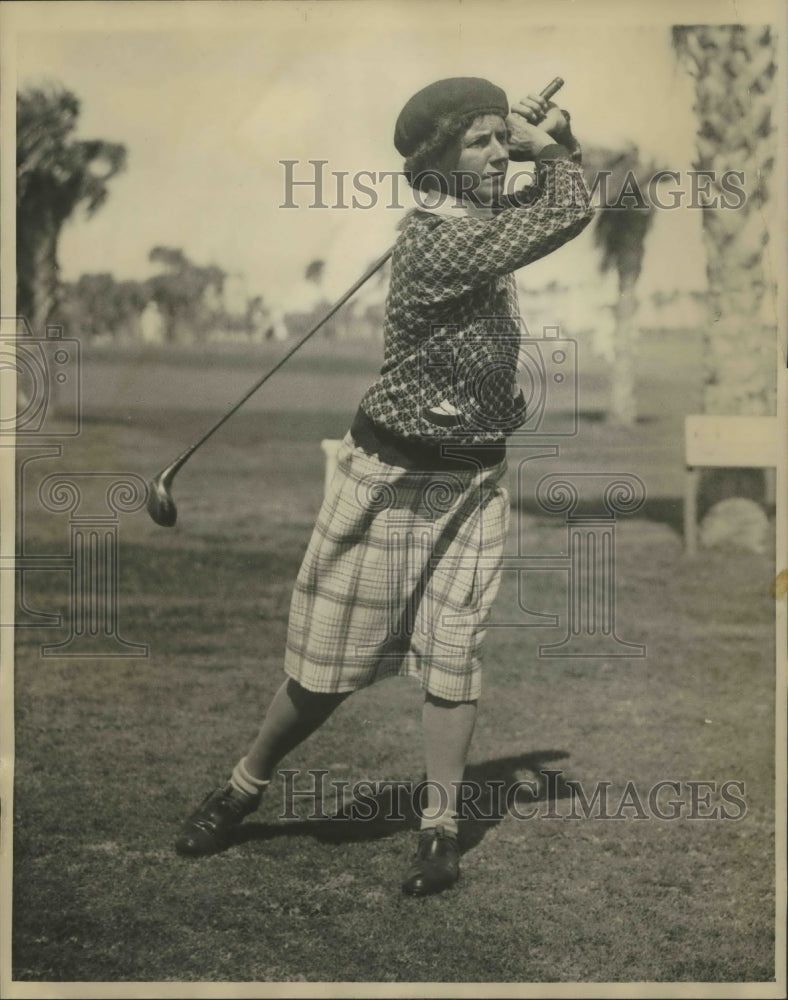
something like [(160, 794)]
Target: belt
[(416, 453)]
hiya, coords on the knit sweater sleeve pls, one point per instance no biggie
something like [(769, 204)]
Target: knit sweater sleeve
[(453, 256)]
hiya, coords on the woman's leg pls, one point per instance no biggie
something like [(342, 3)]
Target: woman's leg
[(448, 728), (293, 715)]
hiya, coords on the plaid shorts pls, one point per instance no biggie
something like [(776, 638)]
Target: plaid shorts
[(399, 577)]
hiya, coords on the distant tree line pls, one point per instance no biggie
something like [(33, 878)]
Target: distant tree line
[(56, 175), (188, 299)]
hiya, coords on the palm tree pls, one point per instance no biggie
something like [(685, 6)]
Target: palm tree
[(734, 69), (182, 293), (315, 273), (55, 174), (620, 233)]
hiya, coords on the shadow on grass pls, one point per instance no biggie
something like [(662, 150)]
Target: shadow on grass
[(715, 484), (660, 510), (600, 416), (498, 786)]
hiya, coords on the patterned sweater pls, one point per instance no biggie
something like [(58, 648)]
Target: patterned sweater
[(451, 328)]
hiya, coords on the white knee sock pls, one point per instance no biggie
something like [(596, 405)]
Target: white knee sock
[(244, 783), (447, 820)]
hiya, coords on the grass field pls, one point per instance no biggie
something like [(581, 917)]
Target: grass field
[(111, 754)]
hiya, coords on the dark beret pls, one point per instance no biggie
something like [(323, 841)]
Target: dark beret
[(461, 94)]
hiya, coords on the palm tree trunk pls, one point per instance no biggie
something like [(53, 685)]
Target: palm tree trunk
[(623, 407), (734, 68), (37, 269), (53, 176), (740, 376)]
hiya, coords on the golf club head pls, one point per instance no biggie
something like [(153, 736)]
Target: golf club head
[(161, 506)]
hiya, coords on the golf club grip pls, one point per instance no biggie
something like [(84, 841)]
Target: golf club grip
[(552, 88)]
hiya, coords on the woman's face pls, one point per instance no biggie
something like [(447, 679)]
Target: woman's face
[(483, 153)]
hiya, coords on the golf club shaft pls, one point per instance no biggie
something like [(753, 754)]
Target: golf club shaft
[(334, 309)]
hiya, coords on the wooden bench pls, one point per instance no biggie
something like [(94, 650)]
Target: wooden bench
[(724, 443)]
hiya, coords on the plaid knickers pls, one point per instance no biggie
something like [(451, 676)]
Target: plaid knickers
[(399, 577)]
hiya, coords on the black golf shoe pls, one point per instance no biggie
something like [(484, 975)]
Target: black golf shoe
[(436, 865), (211, 826)]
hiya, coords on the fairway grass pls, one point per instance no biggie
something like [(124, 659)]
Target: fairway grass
[(112, 754)]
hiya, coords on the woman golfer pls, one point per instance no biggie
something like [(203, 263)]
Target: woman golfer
[(405, 559)]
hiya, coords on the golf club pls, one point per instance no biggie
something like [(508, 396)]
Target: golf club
[(161, 505)]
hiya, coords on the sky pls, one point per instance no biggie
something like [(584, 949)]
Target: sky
[(209, 100)]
